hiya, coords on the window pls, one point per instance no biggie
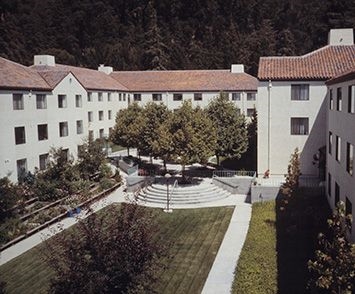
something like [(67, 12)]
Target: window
[(91, 135), (120, 97), (110, 130), (157, 97), (137, 97), (331, 100), (79, 127), (349, 158), (101, 115), (176, 97), (90, 116), (43, 161), (351, 99), (109, 114), (330, 142), (89, 96), (339, 99), (300, 92), (197, 96), (101, 97), (329, 185), (299, 126), (348, 207), (21, 169), (251, 96), (62, 101), (101, 133), (109, 97), (41, 101), (17, 101), (78, 101), (250, 112), (337, 148), (42, 132), (65, 154), (236, 96), (63, 129), (337, 194), (124, 97), (20, 136)]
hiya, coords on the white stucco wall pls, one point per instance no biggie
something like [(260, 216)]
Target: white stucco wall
[(167, 98), (342, 124), (30, 117), (275, 142)]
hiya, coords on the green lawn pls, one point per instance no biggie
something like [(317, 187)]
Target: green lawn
[(280, 241), (194, 236)]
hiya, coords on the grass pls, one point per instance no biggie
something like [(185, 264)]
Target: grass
[(116, 148), (280, 241), (194, 236)]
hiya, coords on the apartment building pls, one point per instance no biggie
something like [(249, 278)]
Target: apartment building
[(199, 86), (341, 141), (50, 105), (292, 106)]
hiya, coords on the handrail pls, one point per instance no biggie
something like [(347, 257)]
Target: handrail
[(172, 190), (233, 173)]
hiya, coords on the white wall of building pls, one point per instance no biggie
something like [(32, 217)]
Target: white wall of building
[(342, 124), (30, 117), (275, 110), (167, 98)]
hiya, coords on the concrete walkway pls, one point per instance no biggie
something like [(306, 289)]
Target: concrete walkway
[(221, 276)]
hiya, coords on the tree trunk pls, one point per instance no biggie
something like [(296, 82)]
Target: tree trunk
[(127, 151), (217, 157), (164, 161), (151, 159)]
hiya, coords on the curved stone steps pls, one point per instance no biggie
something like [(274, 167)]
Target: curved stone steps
[(156, 194)]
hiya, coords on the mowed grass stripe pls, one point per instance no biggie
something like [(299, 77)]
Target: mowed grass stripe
[(193, 267), (194, 236), (197, 270)]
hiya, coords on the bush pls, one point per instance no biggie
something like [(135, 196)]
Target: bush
[(105, 184)]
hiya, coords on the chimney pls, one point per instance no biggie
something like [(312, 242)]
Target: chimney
[(237, 68), (44, 60), (106, 69), (341, 37)]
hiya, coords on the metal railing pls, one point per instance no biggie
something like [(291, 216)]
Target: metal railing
[(234, 173), (173, 189)]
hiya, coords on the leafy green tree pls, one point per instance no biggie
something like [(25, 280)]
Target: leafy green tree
[(153, 116), (333, 268), (232, 135), (90, 157), (114, 252), (128, 127), (194, 136), (8, 198), (2, 287)]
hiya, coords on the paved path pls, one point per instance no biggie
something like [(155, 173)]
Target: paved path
[(221, 276)]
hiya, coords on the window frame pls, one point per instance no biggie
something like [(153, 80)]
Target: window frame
[(63, 129), (44, 156), (298, 126), (89, 97), (90, 116), (337, 148), (20, 135), (236, 96), (177, 96), (331, 100), (100, 97), (79, 127), (251, 96), (297, 92), (351, 99), (157, 97), (137, 97), (339, 99), (39, 102), (78, 101), (350, 158), (101, 115), (18, 104), (330, 142), (42, 136), (62, 101), (198, 97)]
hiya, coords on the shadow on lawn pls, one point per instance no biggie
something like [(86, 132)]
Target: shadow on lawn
[(297, 226)]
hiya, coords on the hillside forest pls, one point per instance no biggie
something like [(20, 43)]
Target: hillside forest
[(167, 34)]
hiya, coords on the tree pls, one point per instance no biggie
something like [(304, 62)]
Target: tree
[(8, 198), (194, 136), (114, 252), (90, 157), (153, 116), (293, 174), (128, 127), (232, 135), (333, 268)]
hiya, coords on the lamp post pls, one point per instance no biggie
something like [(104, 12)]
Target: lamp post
[(167, 177)]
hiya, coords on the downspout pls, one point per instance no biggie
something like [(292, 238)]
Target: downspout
[(268, 123)]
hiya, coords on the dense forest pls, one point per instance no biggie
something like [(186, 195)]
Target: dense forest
[(167, 34)]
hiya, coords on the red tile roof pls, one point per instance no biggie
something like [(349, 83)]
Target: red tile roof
[(343, 77), (17, 76), (185, 80), (321, 64), (89, 78)]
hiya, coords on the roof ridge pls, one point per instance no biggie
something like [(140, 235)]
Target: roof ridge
[(166, 71)]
